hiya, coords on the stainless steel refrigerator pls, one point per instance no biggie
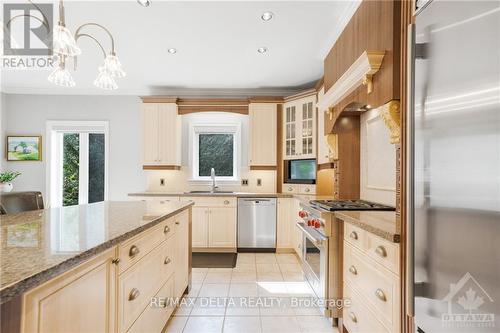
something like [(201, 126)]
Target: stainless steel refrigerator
[(454, 154)]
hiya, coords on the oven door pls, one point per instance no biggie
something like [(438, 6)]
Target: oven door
[(315, 259)]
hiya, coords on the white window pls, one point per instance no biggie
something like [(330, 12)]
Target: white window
[(78, 162), (215, 146)]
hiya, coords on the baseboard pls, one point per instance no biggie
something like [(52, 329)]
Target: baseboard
[(285, 250), (215, 249)]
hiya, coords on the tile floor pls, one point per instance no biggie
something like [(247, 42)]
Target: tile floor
[(258, 295)]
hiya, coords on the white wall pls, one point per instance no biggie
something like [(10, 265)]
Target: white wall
[(27, 114), (378, 160)]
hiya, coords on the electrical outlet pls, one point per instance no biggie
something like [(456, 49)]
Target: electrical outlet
[(244, 182), (162, 181), (259, 182)]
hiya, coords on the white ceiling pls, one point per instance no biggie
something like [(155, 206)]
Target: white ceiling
[(216, 41)]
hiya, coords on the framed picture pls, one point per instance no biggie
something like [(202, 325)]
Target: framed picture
[(24, 148)]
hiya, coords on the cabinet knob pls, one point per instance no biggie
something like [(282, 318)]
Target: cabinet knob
[(353, 270), (308, 189), (166, 230), (134, 293), (115, 261), (167, 261), (380, 250), (134, 250), (353, 317), (380, 295), (177, 222), (354, 235), (290, 189), (226, 202)]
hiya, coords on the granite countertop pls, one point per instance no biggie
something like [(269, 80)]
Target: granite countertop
[(37, 246), (380, 223), (210, 194)]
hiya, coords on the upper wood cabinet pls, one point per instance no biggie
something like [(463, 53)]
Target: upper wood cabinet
[(161, 127), (263, 137), (323, 151), (299, 128)]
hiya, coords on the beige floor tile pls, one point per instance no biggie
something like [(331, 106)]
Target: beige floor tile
[(265, 258), (286, 258), (276, 306), (299, 289), (272, 289), (208, 306), (293, 277), (269, 277), (195, 289), (307, 310), (218, 277), (290, 268), (198, 277), (242, 324), (214, 290), (220, 270), (316, 324), (280, 324), (185, 307), (204, 325), (241, 277), (200, 270), (242, 306), (245, 258), (243, 289), (176, 324), (268, 268), (244, 268)]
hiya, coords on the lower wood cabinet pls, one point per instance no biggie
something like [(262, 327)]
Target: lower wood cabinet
[(182, 254), (222, 227), (200, 227)]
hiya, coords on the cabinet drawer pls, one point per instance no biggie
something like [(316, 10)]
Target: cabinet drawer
[(383, 252), (157, 312), (290, 188), (137, 247), (354, 235), (307, 189), (141, 281), (357, 318), (375, 283), (214, 201)]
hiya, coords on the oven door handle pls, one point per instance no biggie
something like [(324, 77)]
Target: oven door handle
[(317, 238)]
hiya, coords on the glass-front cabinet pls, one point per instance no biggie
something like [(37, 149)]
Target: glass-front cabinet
[(299, 123)]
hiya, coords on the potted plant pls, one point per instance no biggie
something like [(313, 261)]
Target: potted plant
[(6, 179)]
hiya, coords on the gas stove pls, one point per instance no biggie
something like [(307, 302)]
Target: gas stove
[(334, 205)]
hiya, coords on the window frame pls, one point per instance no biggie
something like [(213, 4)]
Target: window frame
[(54, 153), (203, 128)]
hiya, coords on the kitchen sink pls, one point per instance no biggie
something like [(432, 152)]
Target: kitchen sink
[(208, 192)]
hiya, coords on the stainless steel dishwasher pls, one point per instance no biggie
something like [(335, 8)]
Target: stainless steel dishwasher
[(257, 224)]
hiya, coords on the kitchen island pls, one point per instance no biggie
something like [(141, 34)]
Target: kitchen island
[(105, 260)]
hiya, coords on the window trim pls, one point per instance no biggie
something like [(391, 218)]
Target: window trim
[(220, 128), (53, 168)]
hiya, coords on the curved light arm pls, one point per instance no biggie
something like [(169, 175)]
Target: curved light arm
[(92, 38), (103, 28), (43, 22)]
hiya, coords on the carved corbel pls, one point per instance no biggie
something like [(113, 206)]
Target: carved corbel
[(333, 146), (390, 113)]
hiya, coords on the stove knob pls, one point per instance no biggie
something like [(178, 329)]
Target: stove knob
[(317, 224), (302, 214), (310, 223)]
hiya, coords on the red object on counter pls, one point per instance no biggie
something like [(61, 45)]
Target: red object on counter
[(317, 224), (310, 223), (302, 214)]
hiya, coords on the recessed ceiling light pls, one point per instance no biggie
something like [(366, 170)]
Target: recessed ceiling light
[(262, 49), (144, 3), (172, 50), (267, 16)]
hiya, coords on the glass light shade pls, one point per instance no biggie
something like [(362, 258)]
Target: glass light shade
[(61, 77), (64, 42), (104, 80), (113, 66)]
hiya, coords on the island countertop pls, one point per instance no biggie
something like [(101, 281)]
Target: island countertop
[(381, 223), (39, 245)]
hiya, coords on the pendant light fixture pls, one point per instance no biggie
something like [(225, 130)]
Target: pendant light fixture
[(61, 76)]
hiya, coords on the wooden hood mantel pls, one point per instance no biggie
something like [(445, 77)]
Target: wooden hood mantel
[(360, 72)]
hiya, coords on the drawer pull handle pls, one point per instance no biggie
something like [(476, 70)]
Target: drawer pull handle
[(177, 223), (226, 202), (167, 261), (380, 295), (166, 230), (354, 235), (380, 250), (115, 261), (353, 270), (134, 293), (308, 189), (353, 317), (290, 189), (134, 250)]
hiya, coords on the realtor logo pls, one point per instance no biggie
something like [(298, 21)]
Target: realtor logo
[(465, 299)]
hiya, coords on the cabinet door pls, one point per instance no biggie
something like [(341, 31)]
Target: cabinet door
[(81, 300), (169, 137), (150, 133), (296, 232), (307, 132), (290, 131), (222, 227), (284, 228), (263, 128), (200, 227), (181, 253)]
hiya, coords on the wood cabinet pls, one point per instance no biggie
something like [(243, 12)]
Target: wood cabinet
[(214, 223), (323, 150), (262, 134), (182, 254), (299, 128), (307, 189), (81, 300), (161, 127), (296, 232), (284, 225)]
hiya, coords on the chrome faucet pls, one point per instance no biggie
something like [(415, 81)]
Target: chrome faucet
[(214, 184)]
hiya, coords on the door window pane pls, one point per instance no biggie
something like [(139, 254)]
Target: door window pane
[(215, 151), (96, 167), (71, 166)]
